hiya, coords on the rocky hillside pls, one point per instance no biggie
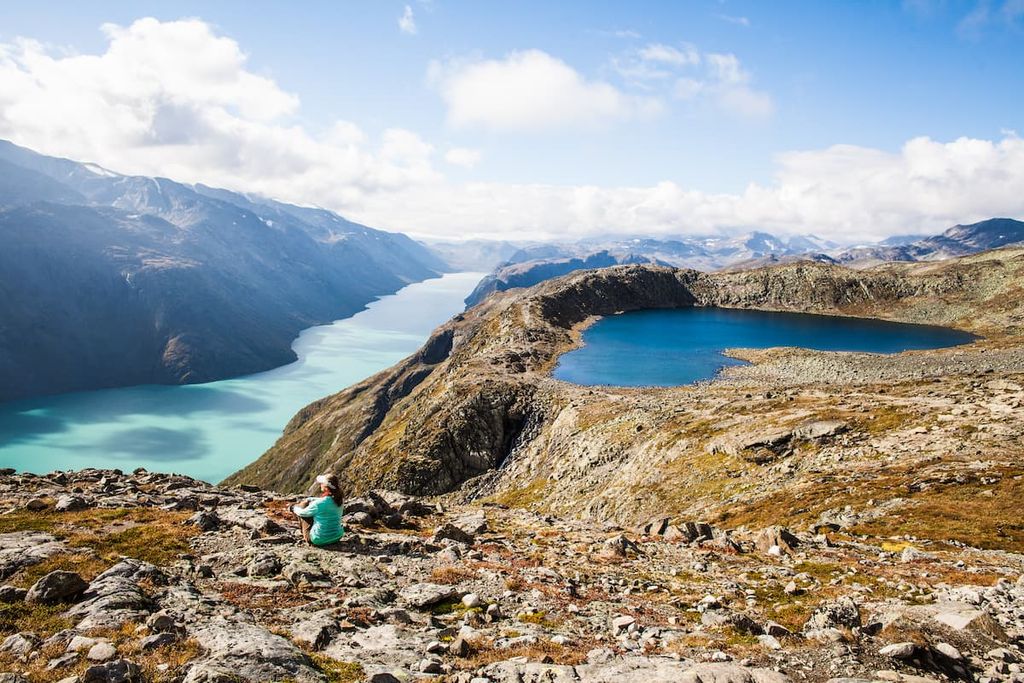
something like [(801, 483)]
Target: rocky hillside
[(108, 577), (799, 437), (112, 280)]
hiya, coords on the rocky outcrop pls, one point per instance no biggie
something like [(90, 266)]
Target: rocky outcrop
[(476, 412), (529, 273), (512, 596)]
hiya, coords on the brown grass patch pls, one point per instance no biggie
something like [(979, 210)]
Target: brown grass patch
[(483, 652), (938, 508), (85, 564), (250, 596), (452, 575), (147, 534), (337, 671), (959, 512), (43, 620)]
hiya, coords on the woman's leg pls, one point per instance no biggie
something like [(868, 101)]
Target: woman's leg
[(305, 524)]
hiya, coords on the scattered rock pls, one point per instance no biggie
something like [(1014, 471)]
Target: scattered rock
[(119, 671), (451, 532), (10, 594), (777, 537), (157, 640), (205, 520)]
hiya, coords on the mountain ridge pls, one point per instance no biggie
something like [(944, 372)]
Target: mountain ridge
[(533, 264), (205, 284)]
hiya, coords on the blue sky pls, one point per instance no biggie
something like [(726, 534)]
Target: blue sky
[(734, 88)]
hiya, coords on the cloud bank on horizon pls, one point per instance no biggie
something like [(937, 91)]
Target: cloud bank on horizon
[(177, 99)]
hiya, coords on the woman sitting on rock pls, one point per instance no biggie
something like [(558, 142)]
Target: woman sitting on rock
[(320, 517)]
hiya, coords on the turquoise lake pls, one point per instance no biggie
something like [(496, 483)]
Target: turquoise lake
[(210, 430), (684, 345)]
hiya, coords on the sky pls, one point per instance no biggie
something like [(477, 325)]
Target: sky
[(849, 120)]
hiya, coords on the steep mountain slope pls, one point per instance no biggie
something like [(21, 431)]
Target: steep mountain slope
[(111, 280), (959, 240), (476, 412)]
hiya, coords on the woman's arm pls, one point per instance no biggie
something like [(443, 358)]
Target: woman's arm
[(306, 508)]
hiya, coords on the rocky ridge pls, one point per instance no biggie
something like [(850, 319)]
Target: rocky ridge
[(153, 577)]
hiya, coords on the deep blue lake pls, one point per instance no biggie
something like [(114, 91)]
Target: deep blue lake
[(670, 347)]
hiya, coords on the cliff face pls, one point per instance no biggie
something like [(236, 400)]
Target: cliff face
[(475, 412)]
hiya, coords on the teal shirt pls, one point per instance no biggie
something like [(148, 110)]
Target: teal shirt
[(326, 517)]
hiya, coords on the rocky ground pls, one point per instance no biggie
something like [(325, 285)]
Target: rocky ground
[(153, 577)]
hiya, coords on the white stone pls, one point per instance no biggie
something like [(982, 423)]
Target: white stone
[(898, 650), (101, 652)]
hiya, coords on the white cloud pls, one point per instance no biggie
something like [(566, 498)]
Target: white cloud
[(463, 156), (986, 14), (656, 52), (175, 99), (739, 21), (844, 192), (407, 22), (530, 90), (686, 73)]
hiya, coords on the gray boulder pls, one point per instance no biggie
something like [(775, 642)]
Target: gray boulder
[(56, 587), (315, 631), (20, 645), (264, 565), (842, 612), (204, 520), (70, 503), (304, 575), (114, 597), (422, 596), (235, 650), (22, 549)]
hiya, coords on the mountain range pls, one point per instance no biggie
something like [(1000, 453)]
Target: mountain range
[(535, 263), (112, 280)]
